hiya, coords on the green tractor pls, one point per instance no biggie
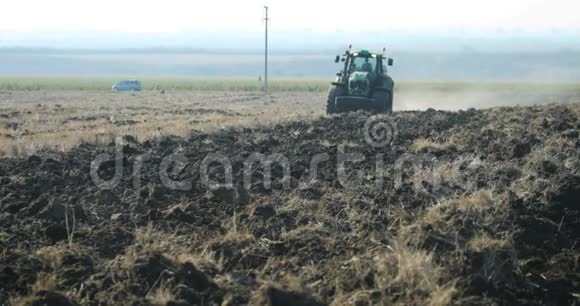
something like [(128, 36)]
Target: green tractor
[(363, 84)]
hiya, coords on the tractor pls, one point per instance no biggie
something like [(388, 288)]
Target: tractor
[(363, 84)]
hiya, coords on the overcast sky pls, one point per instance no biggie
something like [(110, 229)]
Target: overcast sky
[(321, 16)]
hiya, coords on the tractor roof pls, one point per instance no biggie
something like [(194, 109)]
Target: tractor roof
[(364, 53)]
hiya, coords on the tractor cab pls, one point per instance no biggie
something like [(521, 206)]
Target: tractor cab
[(363, 61)]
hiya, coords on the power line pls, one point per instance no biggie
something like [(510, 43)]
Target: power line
[(266, 19)]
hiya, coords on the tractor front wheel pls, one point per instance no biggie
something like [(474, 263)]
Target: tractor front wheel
[(334, 92)]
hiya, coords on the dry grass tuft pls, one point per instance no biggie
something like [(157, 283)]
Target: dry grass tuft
[(425, 145), (475, 203), (45, 282), (151, 241), (399, 275), (161, 295), (485, 243)]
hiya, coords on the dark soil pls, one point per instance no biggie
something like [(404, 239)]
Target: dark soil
[(63, 240)]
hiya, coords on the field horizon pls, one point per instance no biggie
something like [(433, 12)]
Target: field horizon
[(221, 83)]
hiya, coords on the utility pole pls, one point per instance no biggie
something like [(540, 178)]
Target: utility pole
[(266, 19)]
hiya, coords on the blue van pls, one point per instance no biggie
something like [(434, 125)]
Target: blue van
[(127, 85)]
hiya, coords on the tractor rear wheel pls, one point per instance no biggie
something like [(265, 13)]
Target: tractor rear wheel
[(383, 101), (335, 91)]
